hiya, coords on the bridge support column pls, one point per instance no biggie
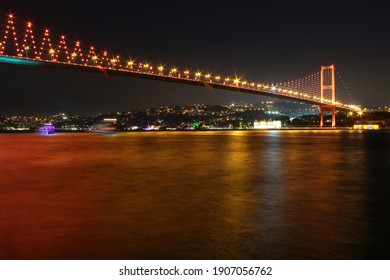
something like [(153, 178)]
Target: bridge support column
[(328, 93), (324, 109)]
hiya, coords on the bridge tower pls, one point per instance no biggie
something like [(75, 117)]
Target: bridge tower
[(328, 93)]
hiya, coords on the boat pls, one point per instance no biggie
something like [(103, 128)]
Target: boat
[(106, 126), (47, 129)]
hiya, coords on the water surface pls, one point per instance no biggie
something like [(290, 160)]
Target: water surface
[(196, 195)]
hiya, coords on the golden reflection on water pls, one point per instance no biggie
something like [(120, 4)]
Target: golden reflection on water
[(185, 195)]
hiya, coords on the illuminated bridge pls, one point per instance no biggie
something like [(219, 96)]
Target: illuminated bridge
[(22, 44)]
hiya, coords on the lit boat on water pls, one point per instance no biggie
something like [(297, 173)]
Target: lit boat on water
[(47, 129), (106, 126)]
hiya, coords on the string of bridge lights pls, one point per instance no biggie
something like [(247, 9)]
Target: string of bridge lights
[(305, 88)]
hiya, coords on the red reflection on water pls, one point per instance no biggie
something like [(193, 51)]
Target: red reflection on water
[(175, 195)]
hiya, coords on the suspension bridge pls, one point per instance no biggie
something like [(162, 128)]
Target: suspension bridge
[(23, 43)]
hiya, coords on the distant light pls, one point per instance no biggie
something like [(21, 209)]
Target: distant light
[(267, 125), (273, 88)]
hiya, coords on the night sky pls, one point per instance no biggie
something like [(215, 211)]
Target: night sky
[(262, 41)]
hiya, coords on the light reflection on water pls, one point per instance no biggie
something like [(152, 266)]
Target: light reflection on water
[(195, 195)]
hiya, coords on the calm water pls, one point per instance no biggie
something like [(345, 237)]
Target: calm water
[(196, 195)]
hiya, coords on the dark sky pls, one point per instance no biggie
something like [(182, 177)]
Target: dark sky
[(263, 41)]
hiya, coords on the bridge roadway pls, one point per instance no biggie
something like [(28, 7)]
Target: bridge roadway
[(168, 78)]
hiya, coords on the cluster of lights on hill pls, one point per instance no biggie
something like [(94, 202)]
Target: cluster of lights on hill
[(29, 48)]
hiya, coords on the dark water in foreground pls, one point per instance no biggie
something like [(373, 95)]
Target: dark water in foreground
[(196, 195)]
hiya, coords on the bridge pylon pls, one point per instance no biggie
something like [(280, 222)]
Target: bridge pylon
[(328, 93)]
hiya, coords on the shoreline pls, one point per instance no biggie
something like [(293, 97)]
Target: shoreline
[(200, 130)]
